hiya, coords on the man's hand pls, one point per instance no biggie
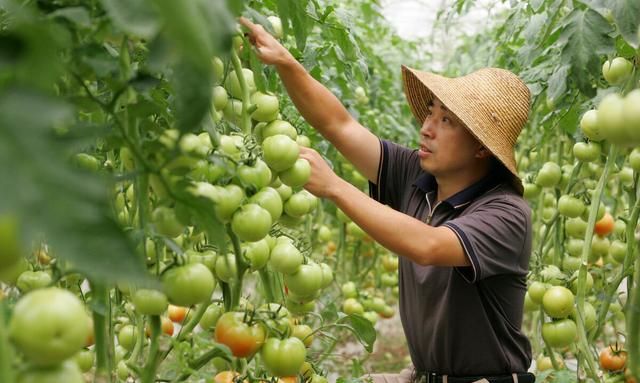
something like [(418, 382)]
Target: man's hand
[(323, 181), (269, 50)]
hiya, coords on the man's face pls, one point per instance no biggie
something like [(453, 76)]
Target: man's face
[(446, 146)]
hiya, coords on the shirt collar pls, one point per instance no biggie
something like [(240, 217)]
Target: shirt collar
[(427, 183)]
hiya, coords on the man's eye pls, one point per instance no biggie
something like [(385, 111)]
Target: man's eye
[(445, 119)]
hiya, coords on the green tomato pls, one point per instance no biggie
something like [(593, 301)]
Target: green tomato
[(127, 337), (220, 98), (67, 372), (192, 145), (574, 283), (150, 302), (611, 118), (231, 146), (297, 175), (280, 152), (269, 199), (589, 316), (257, 253), (574, 247), (587, 151), (232, 84), (283, 357), (303, 140), (618, 251), (84, 359), (529, 304), (559, 333), (617, 71), (634, 159), (349, 290), (632, 114), (285, 191), (558, 301), (189, 284), (257, 176), (63, 333), (306, 281), (251, 223), (324, 233), (590, 126), (549, 175), (352, 306), (536, 291), (531, 191), (304, 333), (31, 280), (87, 162), (327, 275), (599, 248), (285, 258), (575, 227), (279, 127), (570, 263), (297, 205), (276, 24), (166, 222), (267, 107), (218, 68), (127, 159), (570, 206), (122, 370), (211, 316), (226, 268)]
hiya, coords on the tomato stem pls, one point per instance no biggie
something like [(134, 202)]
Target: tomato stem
[(148, 374), (101, 331), (583, 346), (245, 122), (6, 351)]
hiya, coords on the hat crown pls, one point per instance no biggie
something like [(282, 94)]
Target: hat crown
[(492, 103)]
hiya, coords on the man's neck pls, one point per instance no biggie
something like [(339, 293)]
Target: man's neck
[(449, 186)]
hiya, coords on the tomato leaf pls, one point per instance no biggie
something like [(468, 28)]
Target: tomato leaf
[(66, 207), (585, 35), (626, 14), (192, 85), (558, 83), (134, 17), (361, 328)]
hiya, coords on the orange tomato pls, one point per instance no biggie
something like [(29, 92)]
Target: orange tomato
[(177, 313), (605, 225), (165, 324)]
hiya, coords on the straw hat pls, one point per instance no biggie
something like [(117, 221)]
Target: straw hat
[(492, 103)]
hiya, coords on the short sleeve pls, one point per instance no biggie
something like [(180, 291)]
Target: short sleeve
[(496, 237), (397, 170)]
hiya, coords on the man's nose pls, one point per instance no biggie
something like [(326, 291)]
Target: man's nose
[(427, 128)]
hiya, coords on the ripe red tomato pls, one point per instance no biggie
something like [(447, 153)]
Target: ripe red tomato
[(613, 359), (243, 339)]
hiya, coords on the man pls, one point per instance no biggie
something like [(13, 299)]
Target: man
[(455, 213)]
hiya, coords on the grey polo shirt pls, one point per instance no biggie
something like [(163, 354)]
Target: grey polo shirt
[(462, 321)]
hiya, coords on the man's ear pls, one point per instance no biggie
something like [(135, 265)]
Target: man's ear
[(483, 152)]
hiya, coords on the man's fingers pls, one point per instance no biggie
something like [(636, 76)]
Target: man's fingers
[(248, 24)]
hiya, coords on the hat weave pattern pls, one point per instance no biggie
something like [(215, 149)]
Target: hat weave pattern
[(492, 103)]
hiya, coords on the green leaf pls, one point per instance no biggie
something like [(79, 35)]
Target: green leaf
[(558, 83), (299, 20), (66, 207), (626, 14), (135, 17), (361, 328), (78, 15), (585, 34), (192, 86)]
